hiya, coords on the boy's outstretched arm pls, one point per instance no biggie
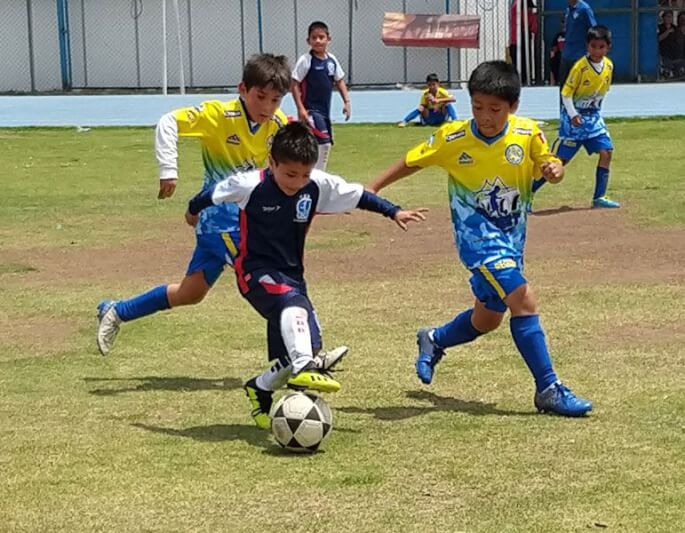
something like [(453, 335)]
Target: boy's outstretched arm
[(344, 93), (372, 202), (394, 172), (166, 151)]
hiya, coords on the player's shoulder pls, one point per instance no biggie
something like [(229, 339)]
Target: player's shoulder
[(443, 92), (279, 119), (522, 125), (332, 56), (582, 65), (229, 109), (453, 131), (609, 63)]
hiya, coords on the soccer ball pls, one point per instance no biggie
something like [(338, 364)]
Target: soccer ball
[(300, 421)]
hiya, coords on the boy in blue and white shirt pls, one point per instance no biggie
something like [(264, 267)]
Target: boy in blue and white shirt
[(313, 78)]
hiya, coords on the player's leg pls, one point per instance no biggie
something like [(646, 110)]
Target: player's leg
[(451, 111), (551, 395), (409, 117), (322, 130), (604, 147)]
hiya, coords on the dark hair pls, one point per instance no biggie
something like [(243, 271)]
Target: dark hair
[(599, 33), (496, 78), (432, 77), (263, 70), (317, 25), (295, 142)]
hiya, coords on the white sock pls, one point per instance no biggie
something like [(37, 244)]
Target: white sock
[(296, 337), (274, 378), (324, 152)]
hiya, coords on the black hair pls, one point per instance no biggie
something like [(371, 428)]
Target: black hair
[(599, 33), (496, 78), (317, 25), (295, 142), (263, 70), (432, 77)]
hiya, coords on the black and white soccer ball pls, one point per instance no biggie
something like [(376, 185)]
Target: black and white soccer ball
[(300, 421)]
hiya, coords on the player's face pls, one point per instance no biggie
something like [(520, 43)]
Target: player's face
[(290, 176), (433, 87), (597, 48), (261, 102), (490, 113), (318, 40)]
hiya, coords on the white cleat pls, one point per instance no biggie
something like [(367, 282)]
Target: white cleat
[(108, 326), (327, 360)]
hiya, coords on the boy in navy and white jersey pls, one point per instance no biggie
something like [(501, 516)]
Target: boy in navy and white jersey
[(277, 206), (313, 78)]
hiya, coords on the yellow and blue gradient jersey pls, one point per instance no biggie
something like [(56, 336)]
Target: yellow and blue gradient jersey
[(587, 86), (489, 184), (441, 93), (230, 143)]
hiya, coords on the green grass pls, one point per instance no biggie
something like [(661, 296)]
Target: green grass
[(157, 437)]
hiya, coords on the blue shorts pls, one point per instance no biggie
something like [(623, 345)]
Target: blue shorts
[(493, 282), (435, 117), (270, 292), (321, 127), (567, 148), (213, 252)]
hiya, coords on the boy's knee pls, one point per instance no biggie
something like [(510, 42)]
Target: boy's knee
[(522, 301)]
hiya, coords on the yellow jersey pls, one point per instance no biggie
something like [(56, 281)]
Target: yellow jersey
[(441, 93)]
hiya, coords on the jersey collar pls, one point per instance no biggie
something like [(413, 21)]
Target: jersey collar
[(488, 140), (251, 124), (592, 65)]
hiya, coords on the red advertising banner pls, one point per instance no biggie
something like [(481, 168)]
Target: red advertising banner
[(455, 31)]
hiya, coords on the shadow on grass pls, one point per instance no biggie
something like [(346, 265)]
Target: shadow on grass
[(440, 403), (558, 210), (153, 383), (217, 433)]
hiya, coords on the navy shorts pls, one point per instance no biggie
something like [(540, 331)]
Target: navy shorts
[(213, 251), (493, 282), (321, 127), (270, 292), (567, 148)]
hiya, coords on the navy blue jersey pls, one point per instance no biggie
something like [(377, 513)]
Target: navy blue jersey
[(317, 78)]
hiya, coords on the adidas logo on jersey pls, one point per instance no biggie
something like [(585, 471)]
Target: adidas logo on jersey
[(233, 139), (465, 159)]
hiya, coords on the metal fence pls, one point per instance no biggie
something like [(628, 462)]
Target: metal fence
[(53, 45)]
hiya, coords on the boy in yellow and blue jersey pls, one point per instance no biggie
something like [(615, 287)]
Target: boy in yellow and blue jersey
[(435, 106), (491, 161), (235, 137), (581, 123)]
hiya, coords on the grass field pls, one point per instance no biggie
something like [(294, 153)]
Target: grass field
[(157, 436)]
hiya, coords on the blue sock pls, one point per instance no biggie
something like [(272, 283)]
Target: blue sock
[(530, 341), (451, 112), (144, 304), (411, 115), (601, 182), (537, 183), (458, 331)]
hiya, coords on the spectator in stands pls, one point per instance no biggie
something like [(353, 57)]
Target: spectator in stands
[(579, 19), (555, 53), (671, 45), (515, 39)]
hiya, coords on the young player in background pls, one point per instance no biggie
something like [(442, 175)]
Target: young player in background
[(277, 206), (313, 78), (581, 123), (491, 161), (435, 106), (235, 136)]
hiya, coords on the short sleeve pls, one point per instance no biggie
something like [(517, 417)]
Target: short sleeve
[(335, 194), (236, 188), (302, 67), (572, 82), (339, 73), (426, 153), (539, 151)]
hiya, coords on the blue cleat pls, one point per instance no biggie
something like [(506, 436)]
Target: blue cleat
[(108, 326), (558, 399), (430, 355), (605, 203)]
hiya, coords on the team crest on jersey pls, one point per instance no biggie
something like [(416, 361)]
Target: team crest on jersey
[(496, 199), (514, 154), (233, 139), (454, 136), (232, 113), (331, 68), (465, 159), (302, 208)]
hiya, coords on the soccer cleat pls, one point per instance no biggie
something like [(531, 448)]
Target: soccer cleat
[(260, 401), (558, 399), (604, 202), (108, 326), (313, 378), (327, 360), (429, 355), (401, 124)]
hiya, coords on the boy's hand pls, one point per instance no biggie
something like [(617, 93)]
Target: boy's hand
[(191, 220), (303, 116), (347, 110), (552, 171), (166, 189), (402, 217), (577, 120)]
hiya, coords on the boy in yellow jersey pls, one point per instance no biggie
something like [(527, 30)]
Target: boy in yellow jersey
[(235, 136), (435, 106), (491, 161), (581, 123)]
